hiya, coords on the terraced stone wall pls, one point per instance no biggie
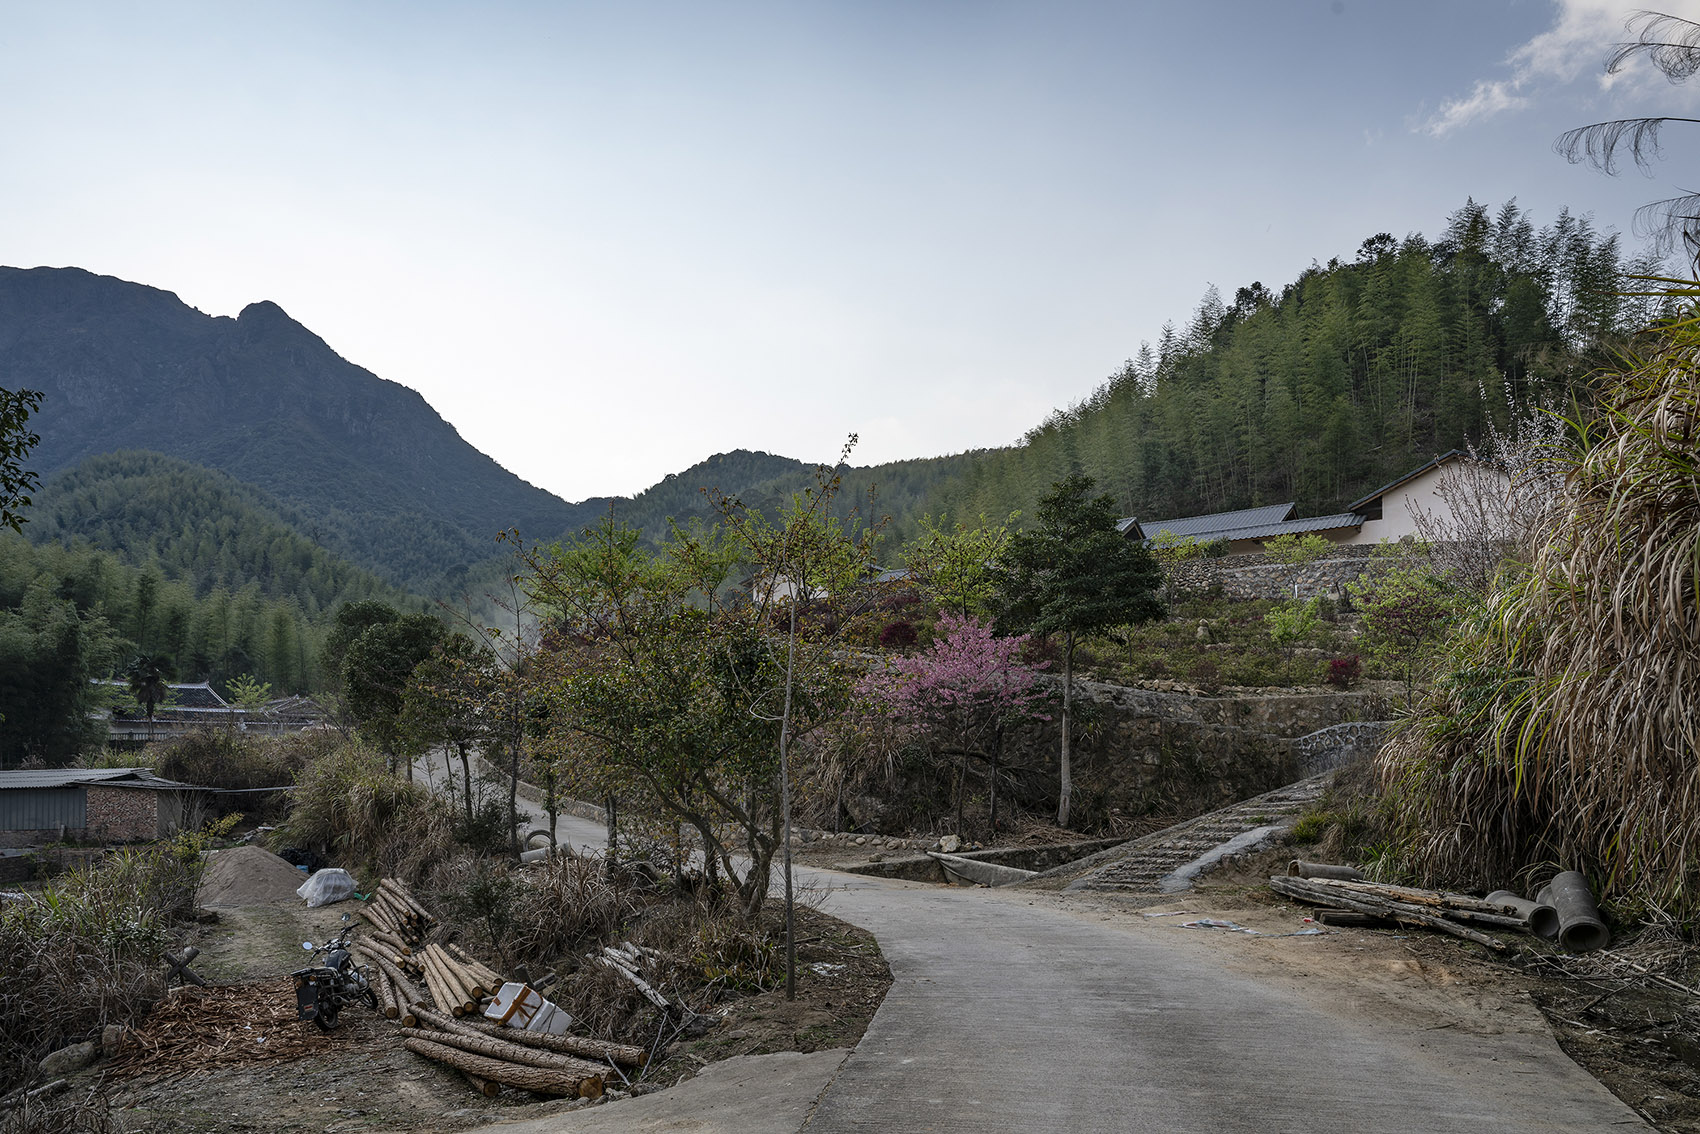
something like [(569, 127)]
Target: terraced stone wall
[(1140, 751)]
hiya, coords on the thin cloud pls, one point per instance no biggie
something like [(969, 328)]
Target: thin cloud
[(1575, 46)]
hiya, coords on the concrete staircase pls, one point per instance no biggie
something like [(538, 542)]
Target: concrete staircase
[(1167, 861)]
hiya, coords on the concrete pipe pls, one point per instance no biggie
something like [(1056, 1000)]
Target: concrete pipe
[(1298, 868), (1580, 929), (1543, 919)]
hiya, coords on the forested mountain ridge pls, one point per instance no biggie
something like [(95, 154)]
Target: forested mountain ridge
[(200, 527), (1350, 376), (389, 484)]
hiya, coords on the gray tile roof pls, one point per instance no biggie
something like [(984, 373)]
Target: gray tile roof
[(1414, 473), (1247, 523)]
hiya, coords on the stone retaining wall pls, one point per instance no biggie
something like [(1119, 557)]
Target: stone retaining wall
[(1138, 751), (1252, 576)]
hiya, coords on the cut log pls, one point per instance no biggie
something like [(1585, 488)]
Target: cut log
[(405, 896), (483, 1086), (386, 995), (468, 1029), (405, 990), (440, 993), (624, 1054), (1325, 895), (539, 1079), (1299, 868), (458, 978), (391, 942), (509, 1052), (433, 956), (485, 974), (1435, 898), (1348, 919), (1454, 907)]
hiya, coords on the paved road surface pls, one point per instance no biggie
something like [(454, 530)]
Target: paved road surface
[(580, 834), (1011, 1013), (1011, 1016)]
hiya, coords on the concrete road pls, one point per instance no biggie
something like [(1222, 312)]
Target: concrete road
[(581, 835), (1010, 1013), (1011, 1016)]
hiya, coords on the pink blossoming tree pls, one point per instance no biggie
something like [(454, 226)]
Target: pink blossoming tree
[(962, 692)]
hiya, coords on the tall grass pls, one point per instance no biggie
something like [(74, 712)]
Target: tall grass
[(348, 804), (1566, 733), (85, 951)]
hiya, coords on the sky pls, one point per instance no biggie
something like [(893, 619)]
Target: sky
[(607, 240)]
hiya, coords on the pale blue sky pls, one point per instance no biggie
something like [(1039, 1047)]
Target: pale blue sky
[(607, 240)]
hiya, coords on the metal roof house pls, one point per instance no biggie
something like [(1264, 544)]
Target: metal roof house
[(96, 804), (1387, 513)]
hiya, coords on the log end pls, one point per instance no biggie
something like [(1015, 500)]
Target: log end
[(590, 1087)]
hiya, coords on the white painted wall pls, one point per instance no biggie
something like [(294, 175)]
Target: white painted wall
[(1397, 507)]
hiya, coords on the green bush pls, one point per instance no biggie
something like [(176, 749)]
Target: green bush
[(350, 806), (85, 952)]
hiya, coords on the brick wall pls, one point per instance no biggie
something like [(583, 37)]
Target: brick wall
[(121, 814)]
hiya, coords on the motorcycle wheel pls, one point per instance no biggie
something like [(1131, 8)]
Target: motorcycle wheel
[(326, 1019), (371, 999)]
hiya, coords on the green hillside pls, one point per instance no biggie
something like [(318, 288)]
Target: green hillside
[(198, 527), (1353, 374), (385, 482)]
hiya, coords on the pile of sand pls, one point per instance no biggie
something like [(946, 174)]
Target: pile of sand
[(249, 876)]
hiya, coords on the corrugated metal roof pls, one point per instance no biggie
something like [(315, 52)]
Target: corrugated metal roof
[(61, 777), (74, 777)]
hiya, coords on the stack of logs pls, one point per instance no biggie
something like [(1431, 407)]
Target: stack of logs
[(434, 992), (1352, 902)]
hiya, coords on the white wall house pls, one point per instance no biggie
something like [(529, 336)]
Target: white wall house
[(1388, 513)]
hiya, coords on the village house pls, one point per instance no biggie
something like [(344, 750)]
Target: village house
[(94, 804), (1389, 513)]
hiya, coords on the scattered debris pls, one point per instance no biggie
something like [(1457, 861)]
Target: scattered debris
[(177, 969), (1236, 927), (219, 1026)]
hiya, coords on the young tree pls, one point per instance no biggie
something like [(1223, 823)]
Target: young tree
[(1074, 574), (146, 677), (963, 690), (16, 441), (441, 704), (376, 667), (1408, 613), (953, 564)]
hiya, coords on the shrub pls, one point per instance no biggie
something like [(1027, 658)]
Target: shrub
[(898, 636), (86, 951), (352, 807), (564, 905), (1345, 672)]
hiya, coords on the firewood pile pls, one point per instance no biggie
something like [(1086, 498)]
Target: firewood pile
[(1563, 911), (436, 993)]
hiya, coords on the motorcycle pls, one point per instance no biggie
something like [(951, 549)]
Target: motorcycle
[(322, 991)]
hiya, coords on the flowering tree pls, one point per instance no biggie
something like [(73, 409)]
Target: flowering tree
[(962, 690)]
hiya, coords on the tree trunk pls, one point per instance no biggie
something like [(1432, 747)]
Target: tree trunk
[(997, 750), (465, 779), (611, 813), (514, 1075), (513, 798), (961, 791), (1067, 784)]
